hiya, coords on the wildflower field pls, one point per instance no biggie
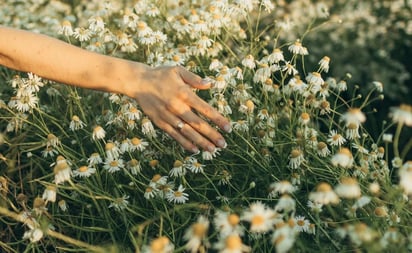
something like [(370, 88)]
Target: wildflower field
[(318, 160)]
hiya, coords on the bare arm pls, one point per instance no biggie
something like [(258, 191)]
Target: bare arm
[(163, 93)]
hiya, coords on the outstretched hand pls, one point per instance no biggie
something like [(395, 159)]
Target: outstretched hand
[(165, 95)]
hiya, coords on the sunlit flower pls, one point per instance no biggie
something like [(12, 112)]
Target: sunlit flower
[(196, 234), (260, 217), (289, 69), (402, 114), (348, 188), (120, 203), (178, 196), (324, 194), (195, 166), (335, 139), (228, 223), (209, 155), (25, 102), (150, 192), (343, 158), (315, 206), (84, 171), (315, 80)]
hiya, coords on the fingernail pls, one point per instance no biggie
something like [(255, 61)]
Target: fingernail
[(227, 128), (205, 81), (211, 149), (195, 150), (221, 143)]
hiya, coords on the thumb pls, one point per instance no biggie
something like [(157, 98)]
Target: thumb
[(194, 80)]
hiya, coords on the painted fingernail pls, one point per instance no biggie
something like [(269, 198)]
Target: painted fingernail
[(221, 143), (227, 128)]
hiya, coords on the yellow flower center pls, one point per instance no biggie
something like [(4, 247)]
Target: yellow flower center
[(233, 242), (233, 219), (83, 169), (257, 220)]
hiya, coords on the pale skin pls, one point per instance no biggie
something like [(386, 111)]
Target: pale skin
[(165, 94)]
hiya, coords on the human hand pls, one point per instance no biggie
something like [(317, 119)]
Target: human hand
[(165, 95)]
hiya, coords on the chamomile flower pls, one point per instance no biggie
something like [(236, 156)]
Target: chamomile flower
[(285, 204), (228, 223), (209, 155), (148, 128), (76, 123), (322, 149), (260, 217), (112, 151), (120, 203), (159, 245), (94, 159), (195, 166), (402, 114), (34, 235), (281, 187), (178, 169), (324, 194), (84, 171), (283, 238), (353, 116), (343, 158), (301, 224), (297, 48), (62, 171), (231, 244), (98, 133), (348, 188), (82, 34), (324, 64), (352, 131), (177, 196), (113, 165), (335, 139), (296, 158), (66, 28), (196, 234), (138, 144), (241, 126), (134, 166), (49, 194), (249, 62), (275, 57)]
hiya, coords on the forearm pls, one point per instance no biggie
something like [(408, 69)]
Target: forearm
[(56, 60)]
